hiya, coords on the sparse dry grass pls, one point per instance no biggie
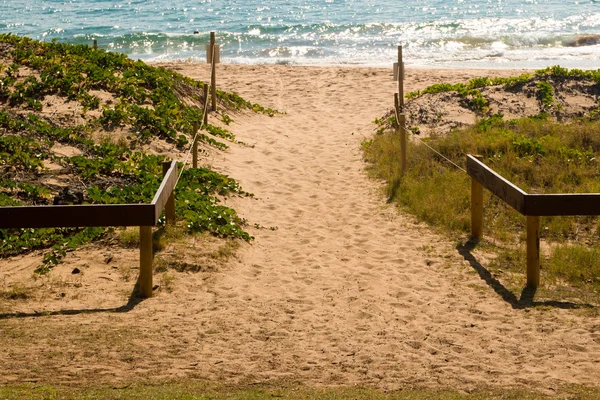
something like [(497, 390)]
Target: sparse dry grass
[(537, 155), (197, 390), (199, 253), (129, 237), (15, 292), (226, 250)]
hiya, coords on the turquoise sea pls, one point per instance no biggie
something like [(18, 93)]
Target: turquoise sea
[(458, 33)]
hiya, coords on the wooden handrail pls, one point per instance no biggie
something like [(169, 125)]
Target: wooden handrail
[(533, 206), (165, 190), (79, 215), (492, 181), (540, 205), (83, 215), (144, 215), (546, 205)]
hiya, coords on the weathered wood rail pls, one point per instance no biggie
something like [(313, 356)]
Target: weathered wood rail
[(144, 215), (533, 206)]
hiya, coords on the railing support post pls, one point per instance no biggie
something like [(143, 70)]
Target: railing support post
[(170, 206), (476, 210), (195, 146), (205, 116), (402, 131), (145, 280), (533, 251), (213, 75), (400, 79)]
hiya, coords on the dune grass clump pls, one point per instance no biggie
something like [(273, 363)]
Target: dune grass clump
[(202, 390), (484, 96), (554, 73), (586, 259), (539, 156)]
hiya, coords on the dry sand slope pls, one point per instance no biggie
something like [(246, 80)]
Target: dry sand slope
[(345, 291)]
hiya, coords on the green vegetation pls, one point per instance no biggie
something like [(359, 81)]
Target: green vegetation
[(385, 122), (555, 73), (545, 94), (143, 103), (206, 391), (539, 156), (545, 80), (469, 92)]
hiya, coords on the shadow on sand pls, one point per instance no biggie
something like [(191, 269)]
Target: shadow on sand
[(134, 300), (527, 294)]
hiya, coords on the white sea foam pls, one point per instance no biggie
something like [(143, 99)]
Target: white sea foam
[(309, 32)]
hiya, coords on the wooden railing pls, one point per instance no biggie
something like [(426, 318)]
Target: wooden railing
[(533, 206), (143, 215)]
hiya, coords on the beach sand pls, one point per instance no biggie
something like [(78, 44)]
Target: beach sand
[(338, 287)]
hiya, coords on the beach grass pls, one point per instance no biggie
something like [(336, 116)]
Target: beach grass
[(191, 390), (538, 155)]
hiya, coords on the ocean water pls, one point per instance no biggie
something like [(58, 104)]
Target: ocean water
[(452, 33)]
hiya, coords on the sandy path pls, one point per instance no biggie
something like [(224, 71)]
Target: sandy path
[(345, 291), (349, 291)]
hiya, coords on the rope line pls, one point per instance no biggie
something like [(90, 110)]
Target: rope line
[(189, 153), (438, 153), (443, 156)]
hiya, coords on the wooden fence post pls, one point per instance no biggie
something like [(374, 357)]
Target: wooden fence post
[(213, 74), (205, 116), (400, 79), (145, 280), (533, 251), (170, 206), (402, 131), (195, 146), (95, 44), (476, 207), (476, 210)]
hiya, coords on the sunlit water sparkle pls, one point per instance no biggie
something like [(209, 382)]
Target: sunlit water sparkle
[(459, 33)]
